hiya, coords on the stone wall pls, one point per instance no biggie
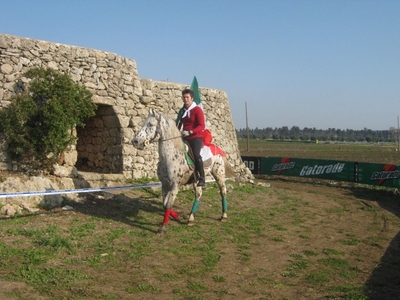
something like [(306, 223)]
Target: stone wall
[(123, 99)]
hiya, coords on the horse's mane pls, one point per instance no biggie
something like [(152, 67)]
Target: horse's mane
[(173, 132)]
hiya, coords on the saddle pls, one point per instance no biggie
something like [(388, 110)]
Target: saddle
[(190, 157)]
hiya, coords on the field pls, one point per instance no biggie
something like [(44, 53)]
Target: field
[(361, 152), (292, 240)]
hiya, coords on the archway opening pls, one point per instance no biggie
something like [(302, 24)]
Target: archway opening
[(99, 144)]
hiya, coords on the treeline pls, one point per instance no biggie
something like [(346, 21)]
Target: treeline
[(313, 134)]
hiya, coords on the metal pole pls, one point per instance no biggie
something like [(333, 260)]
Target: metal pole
[(398, 141), (247, 128)]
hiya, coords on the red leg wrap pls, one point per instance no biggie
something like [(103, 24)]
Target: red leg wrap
[(166, 217), (167, 213), (173, 214)]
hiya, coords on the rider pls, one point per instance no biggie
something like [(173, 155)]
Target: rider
[(191, 123)]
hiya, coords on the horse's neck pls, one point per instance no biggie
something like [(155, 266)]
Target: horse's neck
[(170, 144), (169, 155)]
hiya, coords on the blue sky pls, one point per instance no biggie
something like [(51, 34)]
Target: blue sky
[(309, 63)]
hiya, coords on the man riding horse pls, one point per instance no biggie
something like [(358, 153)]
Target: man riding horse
[(191, 123)]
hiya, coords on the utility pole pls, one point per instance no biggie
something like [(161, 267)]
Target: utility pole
[(247, 128), (398, 141)]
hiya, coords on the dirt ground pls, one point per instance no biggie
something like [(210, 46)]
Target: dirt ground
[(328, 214), (348, 210)]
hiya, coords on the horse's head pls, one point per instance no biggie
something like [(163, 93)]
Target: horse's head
[(149, 131)]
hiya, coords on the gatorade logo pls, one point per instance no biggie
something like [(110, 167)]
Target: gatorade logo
[(285, 164), (319, 170), (388, 172)]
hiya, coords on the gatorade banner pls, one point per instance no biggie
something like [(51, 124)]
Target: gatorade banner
[(378, 174), (308, 168), (387, 175)]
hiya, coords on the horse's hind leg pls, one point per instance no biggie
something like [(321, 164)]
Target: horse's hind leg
[(198, 192), (218, 172)]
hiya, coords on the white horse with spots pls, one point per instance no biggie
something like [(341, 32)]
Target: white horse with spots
[(173, 169)]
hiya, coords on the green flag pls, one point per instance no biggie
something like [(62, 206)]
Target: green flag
[(195, 88), (197, 98)]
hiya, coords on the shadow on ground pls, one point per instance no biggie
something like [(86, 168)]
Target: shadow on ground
[(120, 208), (384, 282)]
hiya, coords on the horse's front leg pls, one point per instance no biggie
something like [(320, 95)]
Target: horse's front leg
[(169, 195), (198, 192)]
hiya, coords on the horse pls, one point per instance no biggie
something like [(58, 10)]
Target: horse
[(173, 169)]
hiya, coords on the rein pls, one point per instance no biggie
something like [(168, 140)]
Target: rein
[(161, 140), (175, 137)]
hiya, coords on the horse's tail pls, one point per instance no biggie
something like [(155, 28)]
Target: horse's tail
[(229, 171)]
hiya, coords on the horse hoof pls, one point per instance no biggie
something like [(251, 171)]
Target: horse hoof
[(223, 219), (190, 223), (161, 230)]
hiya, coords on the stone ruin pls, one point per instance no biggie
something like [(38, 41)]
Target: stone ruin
[(104, 154)]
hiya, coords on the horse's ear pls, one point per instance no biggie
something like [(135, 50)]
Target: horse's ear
[(156, 114)]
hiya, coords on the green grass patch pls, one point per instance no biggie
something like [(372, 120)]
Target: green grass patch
[(335, 263), (318, 277), (330, 251)]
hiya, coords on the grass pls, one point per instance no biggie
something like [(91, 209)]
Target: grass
[(63, 261), (293, 240), (361, 152)]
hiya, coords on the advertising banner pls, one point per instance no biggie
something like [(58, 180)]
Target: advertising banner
[(252, 163), (308, 168), (387, 175), (378, 174)]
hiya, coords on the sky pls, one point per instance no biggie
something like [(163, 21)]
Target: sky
[(306, 63)]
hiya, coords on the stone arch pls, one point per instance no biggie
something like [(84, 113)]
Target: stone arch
[(99, 145)]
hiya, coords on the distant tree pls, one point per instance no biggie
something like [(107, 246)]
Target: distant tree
[(330, 134), (284, 132)]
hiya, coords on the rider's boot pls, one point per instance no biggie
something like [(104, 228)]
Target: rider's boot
[(200, 169)]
